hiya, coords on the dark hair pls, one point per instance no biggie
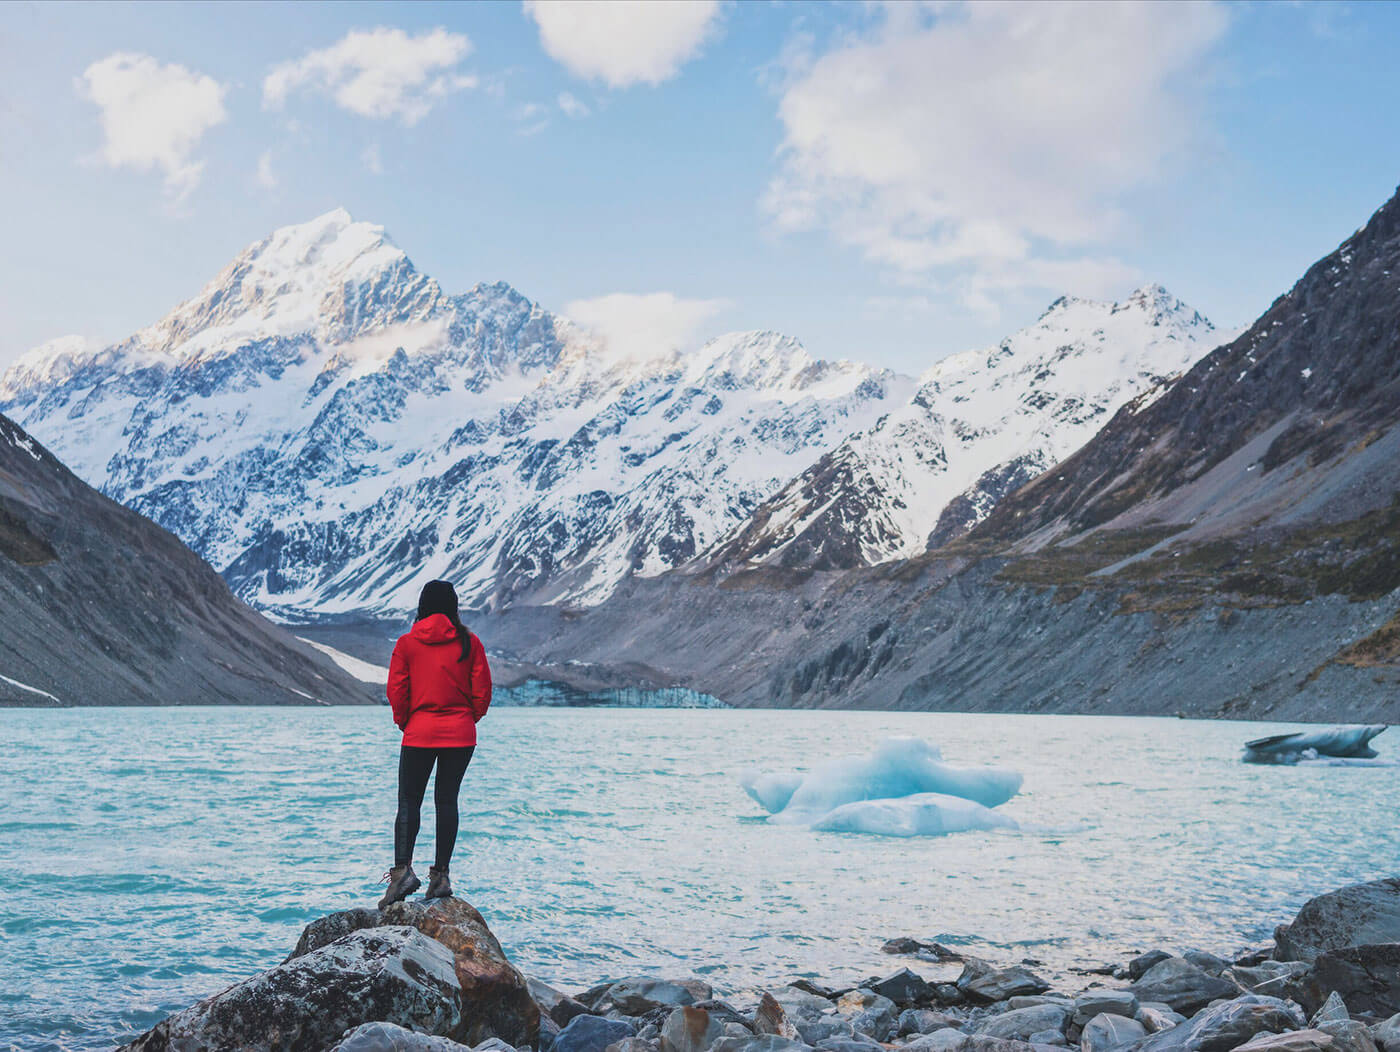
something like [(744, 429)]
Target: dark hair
[(439, 597)]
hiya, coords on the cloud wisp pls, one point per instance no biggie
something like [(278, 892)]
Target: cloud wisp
[(637, 326), (624, 42), (991, 141), (153, 115), (382, 73)]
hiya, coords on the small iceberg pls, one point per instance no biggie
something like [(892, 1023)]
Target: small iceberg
[(1348, 742), (903, 788)]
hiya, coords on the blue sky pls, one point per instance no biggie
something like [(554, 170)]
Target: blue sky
[(891, 183)]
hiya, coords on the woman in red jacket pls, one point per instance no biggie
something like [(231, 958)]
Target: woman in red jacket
[(439, 687)]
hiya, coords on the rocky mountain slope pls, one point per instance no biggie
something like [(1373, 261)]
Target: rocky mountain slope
[(1230, 549), (330, 429), (102, 607), (980, 425)]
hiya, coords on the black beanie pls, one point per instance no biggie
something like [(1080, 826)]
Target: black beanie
[(438, 597)]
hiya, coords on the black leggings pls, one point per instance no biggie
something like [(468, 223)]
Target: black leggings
[(415, 764)]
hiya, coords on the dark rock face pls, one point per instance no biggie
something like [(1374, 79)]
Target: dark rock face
[(103, 607), (1367, 977), (591, 1033), (391, 974), (1356, 915), (982, 983)]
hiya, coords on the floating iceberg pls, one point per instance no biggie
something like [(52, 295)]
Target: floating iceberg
[(923, 814), (1345, 742), (903, 788)]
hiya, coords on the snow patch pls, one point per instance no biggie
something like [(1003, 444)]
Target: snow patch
[(364, 671), (30, 690)]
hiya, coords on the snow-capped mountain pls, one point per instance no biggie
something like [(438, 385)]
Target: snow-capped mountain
[(980, 425), (330, 429)]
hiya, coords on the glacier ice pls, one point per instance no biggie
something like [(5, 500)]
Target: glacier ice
[(1350, 742), (903, 788), (922, 814)]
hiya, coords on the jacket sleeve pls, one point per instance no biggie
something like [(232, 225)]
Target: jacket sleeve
[(481, 680), (398, 688)]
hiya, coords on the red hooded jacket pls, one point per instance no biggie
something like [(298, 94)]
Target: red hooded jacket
[(436, 697)]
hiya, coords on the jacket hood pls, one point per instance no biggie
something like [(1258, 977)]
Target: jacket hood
[(434, 629)]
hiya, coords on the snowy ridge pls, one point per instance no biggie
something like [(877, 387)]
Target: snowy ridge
[(980, 424), (330, 429)]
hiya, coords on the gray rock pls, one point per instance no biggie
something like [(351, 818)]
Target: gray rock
[(831, 993), (1293, 1041), (1031, 1000), (984, 984), (592, 1033), (946, 1040), (389, 1037), (690, 1029), (759, 1043), (904, 988), (770, 1018), (493, 1044), (1356, 915), (1348, 1035), (1157, 1017), (1140, 966), (802, 1006), (634, 1044), (1183, 986), (390, 975), (1222, 1027), (651, 1032), (638, 994), (1099, 1002), (869, 1013), (725, 1013), (1275, 978), (921, 1021), (1367, 977), (495, 997), (1111, 1032), (1019, 1024), (556, 1004), (1050, 1038), (1387, 1034), (1332, 1010), (821, 1029), (1206, 962), (738, 1030), (856, 1044)]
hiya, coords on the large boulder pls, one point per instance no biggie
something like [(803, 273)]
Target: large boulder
[(983, 983), (388, 974), (1367, 977), (1222, 1027), (1183, 986), (390, 1037), (1020, 1023), (1356, 915), (1109, 1032), (1275, 978), (496, 1000)]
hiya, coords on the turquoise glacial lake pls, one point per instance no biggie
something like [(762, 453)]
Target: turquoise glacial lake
[(154, 856)]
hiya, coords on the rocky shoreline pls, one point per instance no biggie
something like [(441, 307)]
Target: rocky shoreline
[(430, 977)]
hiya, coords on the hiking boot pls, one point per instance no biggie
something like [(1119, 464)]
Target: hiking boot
[(402, 882), (439, 887)]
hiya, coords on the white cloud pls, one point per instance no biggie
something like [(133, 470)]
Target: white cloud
[(372, 160), (622, 42), (266, 177), (379, 73), (639, 326), (992, 141), (572, 105), (153, 116)]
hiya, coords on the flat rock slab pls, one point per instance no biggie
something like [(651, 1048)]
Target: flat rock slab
[(387, 974), (1366, 977), (1356, 915)]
